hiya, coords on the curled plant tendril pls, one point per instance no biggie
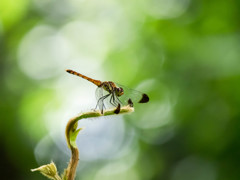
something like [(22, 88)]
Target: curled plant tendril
[(71, 133)]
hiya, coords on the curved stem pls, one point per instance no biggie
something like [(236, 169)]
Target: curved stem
[(71, 133)]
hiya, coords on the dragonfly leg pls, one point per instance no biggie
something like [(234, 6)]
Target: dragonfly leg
[(103, 106), (100, 103), (111, 101), (114, 101), (118, 100), (101, 99)]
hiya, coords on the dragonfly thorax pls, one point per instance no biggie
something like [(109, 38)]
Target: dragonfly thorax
[(111, 87)]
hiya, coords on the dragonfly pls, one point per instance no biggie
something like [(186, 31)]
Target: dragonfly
[(116, 95)]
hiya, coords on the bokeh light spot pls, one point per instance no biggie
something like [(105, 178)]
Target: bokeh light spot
[(164, 9), (43, 53)]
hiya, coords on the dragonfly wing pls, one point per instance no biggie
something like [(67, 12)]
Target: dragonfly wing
[(102, 98), (99, 95), (132, 96)]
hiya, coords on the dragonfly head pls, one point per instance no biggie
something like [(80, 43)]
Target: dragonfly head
[(119, 91)]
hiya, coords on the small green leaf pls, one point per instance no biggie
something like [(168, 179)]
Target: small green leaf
[(73, 137)]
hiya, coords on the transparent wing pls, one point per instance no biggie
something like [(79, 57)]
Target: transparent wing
[(99, 95), (132, 96), (102, 97)]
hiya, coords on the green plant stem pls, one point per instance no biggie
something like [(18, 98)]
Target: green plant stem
[(71, 170), (57, 177), (71, 135)]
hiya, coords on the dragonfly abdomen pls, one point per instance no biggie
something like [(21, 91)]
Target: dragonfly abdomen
[(96, 82)]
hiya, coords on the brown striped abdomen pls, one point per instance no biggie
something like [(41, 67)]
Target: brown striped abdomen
[(96, 82)]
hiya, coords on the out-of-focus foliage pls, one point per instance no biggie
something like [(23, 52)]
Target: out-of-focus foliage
[(185, 54)]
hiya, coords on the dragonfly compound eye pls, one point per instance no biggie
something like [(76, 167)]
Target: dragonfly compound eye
[(119, 91)]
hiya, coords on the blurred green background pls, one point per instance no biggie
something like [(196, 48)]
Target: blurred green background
[(184, 54)]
